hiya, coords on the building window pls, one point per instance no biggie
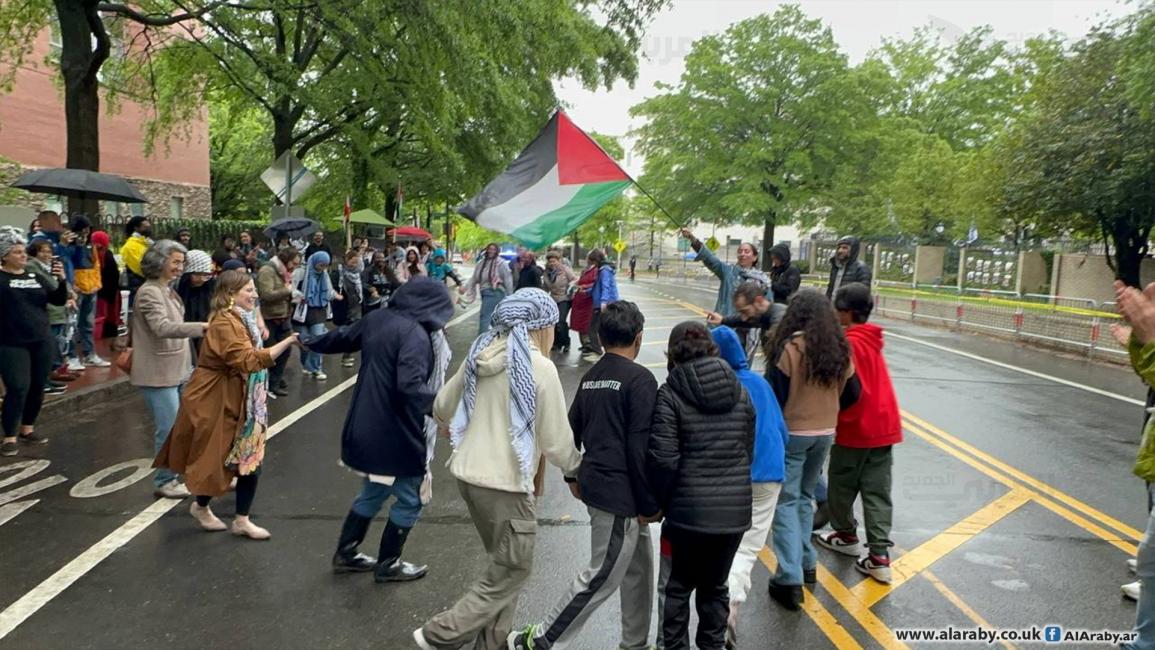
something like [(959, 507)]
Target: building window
[(55, 41), (176, 207), (136, 209)]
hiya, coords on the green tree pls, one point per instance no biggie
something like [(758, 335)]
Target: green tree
[(754, 131)]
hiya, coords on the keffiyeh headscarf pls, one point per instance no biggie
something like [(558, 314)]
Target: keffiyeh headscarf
[(515, 317)]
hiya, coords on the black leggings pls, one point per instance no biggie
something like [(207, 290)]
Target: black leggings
[(24, 371), (246, 492)]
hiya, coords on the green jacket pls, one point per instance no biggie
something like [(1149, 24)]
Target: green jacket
[(1143, 360)]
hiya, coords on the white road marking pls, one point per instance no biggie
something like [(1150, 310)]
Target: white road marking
[(31, 488), (10, 511), (464, 315), (30, 603), (27, 469), (89, 487), (1007, 366)]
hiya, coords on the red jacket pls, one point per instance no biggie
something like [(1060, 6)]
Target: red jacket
[(873, 421)]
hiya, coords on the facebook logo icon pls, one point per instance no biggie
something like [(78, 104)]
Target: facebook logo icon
[(1052, 634)]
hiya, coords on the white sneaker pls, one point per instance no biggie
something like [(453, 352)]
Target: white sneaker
[(95, 361), (419, 639), (1131, 590), (592, 357), (75, 365), (1132, 565), (321, 376), (306, 372), (174, 489)]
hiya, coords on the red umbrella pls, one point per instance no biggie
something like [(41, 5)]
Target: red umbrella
[(410, 233)]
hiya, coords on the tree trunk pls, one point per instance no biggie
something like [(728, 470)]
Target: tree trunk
[(1130, 246), (359, 190), (767, 240), (81, 95)]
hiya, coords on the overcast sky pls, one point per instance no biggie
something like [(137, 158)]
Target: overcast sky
[(858, 25)]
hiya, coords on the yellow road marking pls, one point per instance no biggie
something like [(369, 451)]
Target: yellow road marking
[(1064, 512), (1042, 487), (974, 616), (858, 610), (919, 559), (838, 635)]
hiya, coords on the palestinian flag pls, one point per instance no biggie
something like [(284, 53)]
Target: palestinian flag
[(561, 178)]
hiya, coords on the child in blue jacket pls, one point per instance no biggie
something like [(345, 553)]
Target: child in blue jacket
[(766, 472)]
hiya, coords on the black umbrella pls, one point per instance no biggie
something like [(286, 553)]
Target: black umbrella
[(81, 184), (294, 227)]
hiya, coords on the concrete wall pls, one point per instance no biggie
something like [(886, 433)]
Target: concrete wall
[(928, 264), (1087, 276), (1032, 273)]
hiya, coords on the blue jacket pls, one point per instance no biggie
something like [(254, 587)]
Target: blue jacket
[(72, 257), (770, 433), (384, 431), (730, 275), (606, 288)]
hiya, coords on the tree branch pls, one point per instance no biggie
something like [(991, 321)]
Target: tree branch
[(160, 20)]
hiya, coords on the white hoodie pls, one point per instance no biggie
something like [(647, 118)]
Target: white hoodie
[(486, 457)]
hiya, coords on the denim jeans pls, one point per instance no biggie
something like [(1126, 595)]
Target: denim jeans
[(794, 516), (85, 319), (1145, 571), (309, 359), (60, 345), (163, 403), (489, 300), (404, 513)]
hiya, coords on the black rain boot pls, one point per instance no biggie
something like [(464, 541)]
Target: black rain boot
[(390, 567), (347, 559)]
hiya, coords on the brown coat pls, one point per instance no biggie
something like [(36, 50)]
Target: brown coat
[(212, 409)]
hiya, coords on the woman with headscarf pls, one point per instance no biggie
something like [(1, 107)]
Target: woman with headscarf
[(108, 298), (314, 309), (583, 305), (492, 276), (412, 266), (195, 289), (219, 431), (25, 338), (505, 409)]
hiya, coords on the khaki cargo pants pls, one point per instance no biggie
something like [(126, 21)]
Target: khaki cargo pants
[(483, 618)]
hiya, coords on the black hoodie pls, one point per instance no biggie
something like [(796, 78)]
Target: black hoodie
[(385, 430), (784, 279), (701, 446), (855, 270)]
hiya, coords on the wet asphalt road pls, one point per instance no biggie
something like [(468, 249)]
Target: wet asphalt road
[(1054, 460)]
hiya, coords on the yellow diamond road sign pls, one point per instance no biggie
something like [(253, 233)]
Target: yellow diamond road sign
[(712, 243), (619, 245)]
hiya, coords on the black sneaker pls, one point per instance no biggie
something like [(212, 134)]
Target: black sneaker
[(55, 390), (8, 449), (33, 438), (810, 576), (788, 596)]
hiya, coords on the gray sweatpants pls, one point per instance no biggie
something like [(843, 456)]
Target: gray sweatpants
[(621, 556), (483, 617)]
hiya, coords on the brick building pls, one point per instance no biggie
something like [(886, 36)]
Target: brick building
[(175, 179)]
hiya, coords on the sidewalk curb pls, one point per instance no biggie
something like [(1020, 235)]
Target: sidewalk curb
[(73, 401)]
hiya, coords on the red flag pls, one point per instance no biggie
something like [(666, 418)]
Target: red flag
[(348, 210)]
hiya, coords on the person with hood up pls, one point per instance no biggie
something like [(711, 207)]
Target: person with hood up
[(845, 267), (385, 438), (492, 277), (604, 291), (861, 458), (785, 278), (108, 298), (730, 275), (767, 470), (505, 409), (529, 275), (701, 448), (314, 308), (412, 267)]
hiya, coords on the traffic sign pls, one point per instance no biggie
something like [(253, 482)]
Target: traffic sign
[(288, 173), (712, 243), (620, 245)]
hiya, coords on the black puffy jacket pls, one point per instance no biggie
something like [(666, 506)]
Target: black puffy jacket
[(701, 444), (784, 279)]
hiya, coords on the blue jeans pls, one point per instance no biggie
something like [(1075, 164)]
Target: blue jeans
[(404, 513), (309, 359), (163, 403), (60, 346), (794, 516), (85, 319), (1145, 570), (489, 300)]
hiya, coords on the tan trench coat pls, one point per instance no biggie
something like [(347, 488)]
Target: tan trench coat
[(212, 409)]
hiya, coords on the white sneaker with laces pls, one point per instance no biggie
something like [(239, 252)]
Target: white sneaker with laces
[(419, 639), (174, 489), (74, 364), (1131, 590), (1132, 565), (321, 376), (95, 361)]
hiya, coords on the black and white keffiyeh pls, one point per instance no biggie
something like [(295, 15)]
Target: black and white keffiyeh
[(515, 317)]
